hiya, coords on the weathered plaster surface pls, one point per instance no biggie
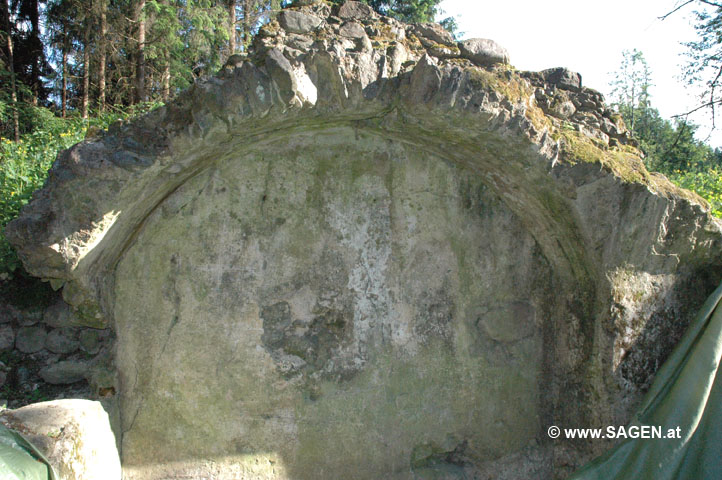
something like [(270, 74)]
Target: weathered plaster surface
[(336, 304)]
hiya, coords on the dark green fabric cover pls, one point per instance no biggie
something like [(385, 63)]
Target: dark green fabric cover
[(687, 392), (20, 460)]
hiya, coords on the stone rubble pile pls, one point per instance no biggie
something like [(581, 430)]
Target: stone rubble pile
[(557, 91), (560, 94)]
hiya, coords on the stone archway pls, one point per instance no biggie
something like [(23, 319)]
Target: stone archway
[(346, 304)]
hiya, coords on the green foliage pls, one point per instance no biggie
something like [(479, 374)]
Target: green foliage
[(707, 184), (27, 113), (630, 88), (24, 165), (407, 10), (186, 37), (670, 147), (202, 38), (705, 55), (23, 17), (410, 11)]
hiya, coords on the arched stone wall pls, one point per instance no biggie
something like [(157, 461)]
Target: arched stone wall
[(363, 256), (339, 306)]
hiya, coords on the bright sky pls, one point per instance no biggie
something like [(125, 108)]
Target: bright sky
[(589, 37)]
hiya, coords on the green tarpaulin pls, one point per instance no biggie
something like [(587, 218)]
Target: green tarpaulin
[(686, 393), (20, 460)]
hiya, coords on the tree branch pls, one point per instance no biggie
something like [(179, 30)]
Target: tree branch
[(713, 86), (664, 17), (711, 4), (697, 108), (680, 129), (706, 2)]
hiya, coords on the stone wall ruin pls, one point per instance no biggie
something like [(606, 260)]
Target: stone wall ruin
[(365, 250)]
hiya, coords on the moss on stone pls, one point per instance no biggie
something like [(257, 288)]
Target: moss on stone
[(271, 29), (461, 62), (505, 81), (625, 163), (538, 119), (385, 38), (413, 43), (502, 80), (664, 187), (435, 48), (90, 315)]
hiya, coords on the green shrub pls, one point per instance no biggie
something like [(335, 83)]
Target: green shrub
[(707, 184)]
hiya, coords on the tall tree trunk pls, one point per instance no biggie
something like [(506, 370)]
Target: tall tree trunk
[(149, 82), (139, 18), (65, 77), (231, 27), (36, 53), (86, 70), (246, 26), (11, 67), (102, 47), (166, 81), (165, 75)]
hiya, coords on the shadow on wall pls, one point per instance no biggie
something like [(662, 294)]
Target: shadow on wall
[(646, 334), (386, 323)]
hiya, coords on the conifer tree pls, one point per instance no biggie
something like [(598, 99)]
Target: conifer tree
[(10, 62), (630, 88)]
